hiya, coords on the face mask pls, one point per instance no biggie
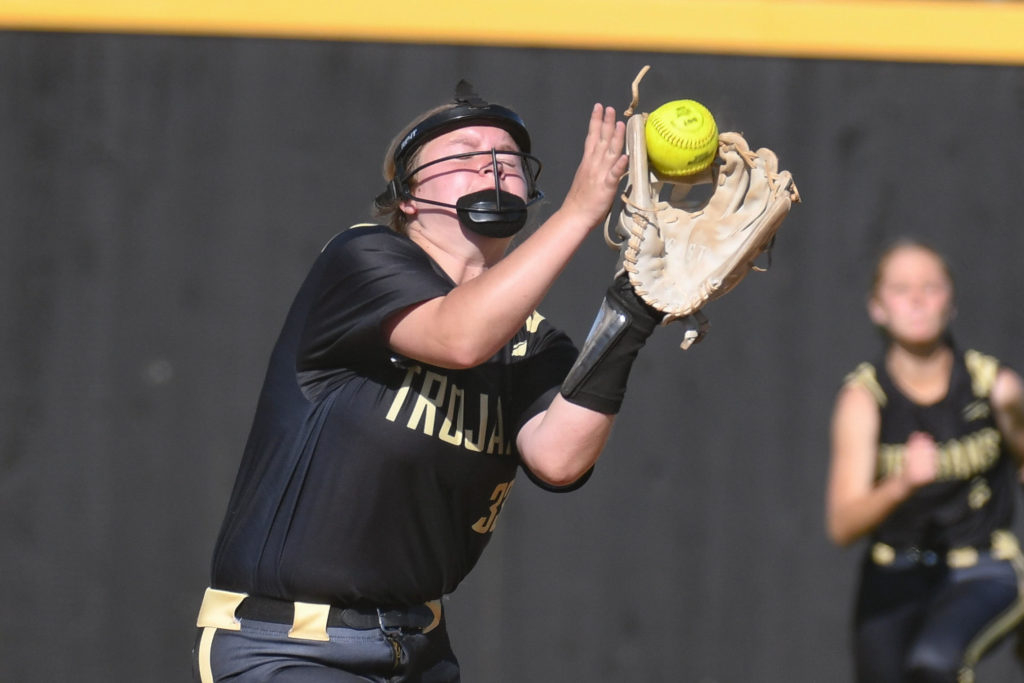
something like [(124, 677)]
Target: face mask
[(492, 213)]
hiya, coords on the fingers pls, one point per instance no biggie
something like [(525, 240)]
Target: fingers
[(921, 439), (605, 144), (922, 459), (605, 132), (596, 122), (600, 170)]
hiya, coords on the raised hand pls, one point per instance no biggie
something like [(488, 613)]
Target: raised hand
[(596, 183)]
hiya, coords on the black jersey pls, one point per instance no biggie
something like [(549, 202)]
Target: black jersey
[(368, 478), (974, 492)]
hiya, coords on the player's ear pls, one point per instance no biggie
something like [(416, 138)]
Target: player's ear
[(876, 312)]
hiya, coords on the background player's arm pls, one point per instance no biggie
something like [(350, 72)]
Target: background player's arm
[(1008, 404), (856, 503)]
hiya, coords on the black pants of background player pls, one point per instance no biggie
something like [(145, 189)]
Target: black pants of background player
[(238, 643), (918, 620)]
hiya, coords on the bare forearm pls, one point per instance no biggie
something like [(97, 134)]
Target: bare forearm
[(852, 519), (486, 311), (565, 441)]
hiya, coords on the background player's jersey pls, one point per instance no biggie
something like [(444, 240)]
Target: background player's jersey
[(369, 478), (974, 492)]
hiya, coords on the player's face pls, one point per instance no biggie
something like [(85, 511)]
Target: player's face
[(913, 299), (448, 180)]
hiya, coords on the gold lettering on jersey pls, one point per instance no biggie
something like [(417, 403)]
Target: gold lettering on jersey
[(955, 461), (439, 409), (497, 440), (979, 494), (958, 458), (426, 404), (890, 460), (977, 410), (478, 444), (453, 417), (533, 322), (485, 525), (400, 395)]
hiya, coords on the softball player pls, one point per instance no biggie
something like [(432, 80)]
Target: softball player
[(926, 447), (412, 377)]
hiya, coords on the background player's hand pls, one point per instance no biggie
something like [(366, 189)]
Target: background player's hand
[(921, 463), (596, 183)]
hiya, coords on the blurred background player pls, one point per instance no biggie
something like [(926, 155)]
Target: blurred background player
[(926, 450)]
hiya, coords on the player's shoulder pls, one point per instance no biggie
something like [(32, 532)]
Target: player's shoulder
[(366, 234), (369, 245), (537, 325), (983, 369), (863, 380), (537, 335)]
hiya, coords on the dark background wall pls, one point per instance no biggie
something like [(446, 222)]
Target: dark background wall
[(161, 198)]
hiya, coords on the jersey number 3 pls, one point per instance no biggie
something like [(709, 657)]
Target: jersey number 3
[(485, 525)]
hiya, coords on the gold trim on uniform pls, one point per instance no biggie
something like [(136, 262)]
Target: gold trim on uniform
[(309, 621), (983, 370), (865, 376), (435, 609), (218, 610), (1004, 546), (883, 554), (203, 657), (961, 558)]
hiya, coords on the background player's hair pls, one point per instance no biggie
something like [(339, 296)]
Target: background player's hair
[(905, 242)]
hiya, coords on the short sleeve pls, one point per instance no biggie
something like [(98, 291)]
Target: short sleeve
[(365, 275), (541, 356), (540, 361)]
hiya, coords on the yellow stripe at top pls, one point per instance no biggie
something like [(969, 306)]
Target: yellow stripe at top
[(969, 31)]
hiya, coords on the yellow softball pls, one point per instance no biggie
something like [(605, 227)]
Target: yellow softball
[(682, 138)]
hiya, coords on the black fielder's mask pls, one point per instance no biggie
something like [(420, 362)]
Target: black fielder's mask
[(492, 213)]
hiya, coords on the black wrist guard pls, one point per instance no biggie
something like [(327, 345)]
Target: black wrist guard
[(598, 378)]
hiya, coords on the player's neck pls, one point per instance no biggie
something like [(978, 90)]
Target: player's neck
[(921, 373), (461, 255)]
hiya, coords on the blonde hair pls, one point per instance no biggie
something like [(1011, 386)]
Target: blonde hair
[(389, 209)]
